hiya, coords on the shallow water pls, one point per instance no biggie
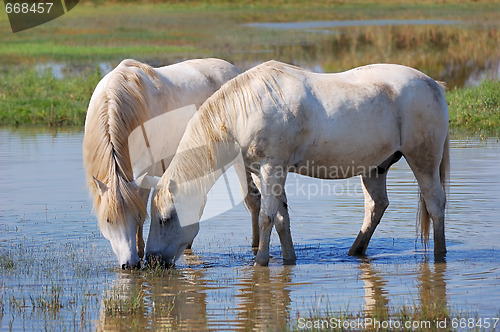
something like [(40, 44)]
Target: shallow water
[(313, 25), (57, 270)]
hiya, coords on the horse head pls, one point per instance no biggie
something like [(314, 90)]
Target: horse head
[(121, 211), (170, 232)]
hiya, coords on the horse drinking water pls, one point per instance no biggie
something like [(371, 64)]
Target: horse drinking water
[(125, 99), (331, 126)]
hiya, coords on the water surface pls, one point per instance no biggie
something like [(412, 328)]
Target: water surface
[(307, 25), (57, 270)]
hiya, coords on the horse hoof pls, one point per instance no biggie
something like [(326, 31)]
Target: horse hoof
[(260, 261), (261, 264), (357, 252), (440, 257)]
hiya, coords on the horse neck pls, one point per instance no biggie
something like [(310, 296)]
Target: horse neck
[(193, 173), (197, 169)]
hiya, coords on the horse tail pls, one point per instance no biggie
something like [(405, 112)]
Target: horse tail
[(444, 173)]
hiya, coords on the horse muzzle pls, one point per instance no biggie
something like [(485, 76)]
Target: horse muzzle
[(154, 260), (129, 266)]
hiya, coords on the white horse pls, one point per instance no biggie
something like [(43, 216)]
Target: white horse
[(125, 99), (330, 126)]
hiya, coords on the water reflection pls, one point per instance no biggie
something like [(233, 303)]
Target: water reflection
[(375, 290), (175, 299), (459, 53), (311, 25), (264, 298), (181, 299), (49, 237), (161, 300), (431, 285)]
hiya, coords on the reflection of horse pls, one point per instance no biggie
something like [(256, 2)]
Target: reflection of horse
[(125, 99), (375, 293), (158, 299), (330, 126), (266, 307), (431, 286)]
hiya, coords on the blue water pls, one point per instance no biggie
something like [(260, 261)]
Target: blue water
[(51, 236)]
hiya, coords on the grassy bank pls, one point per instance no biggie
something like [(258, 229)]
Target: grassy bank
[(476, 110), (29, 97), (160, 33)]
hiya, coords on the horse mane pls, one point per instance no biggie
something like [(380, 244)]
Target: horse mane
[(210, 129), (114, 114)]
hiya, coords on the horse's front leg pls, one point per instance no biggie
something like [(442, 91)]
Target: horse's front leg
[(283, 228), (139, 238), (252, 201), (272, 179), (140, 241)]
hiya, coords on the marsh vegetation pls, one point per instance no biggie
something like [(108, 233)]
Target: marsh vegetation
[(456, 42)]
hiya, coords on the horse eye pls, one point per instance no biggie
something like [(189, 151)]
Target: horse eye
[(164, 221)]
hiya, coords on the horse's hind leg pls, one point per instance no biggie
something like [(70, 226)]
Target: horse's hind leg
[(282, 225), (376, 202), (429, 162), (433, 201)]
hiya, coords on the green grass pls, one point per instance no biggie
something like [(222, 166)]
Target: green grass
[(49, 50), (477, 109), (28, 97), (117, 305)]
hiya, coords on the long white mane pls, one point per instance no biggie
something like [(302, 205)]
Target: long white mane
[(209, 129), (117, 110)]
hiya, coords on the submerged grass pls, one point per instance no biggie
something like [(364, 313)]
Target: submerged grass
[(42, 291), (403, 318), (116, 305), (44, 284)]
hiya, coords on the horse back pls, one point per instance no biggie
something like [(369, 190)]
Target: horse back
[(361, 116)]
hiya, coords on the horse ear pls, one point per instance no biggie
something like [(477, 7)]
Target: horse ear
[(172, 187), (100, 186)]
